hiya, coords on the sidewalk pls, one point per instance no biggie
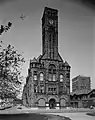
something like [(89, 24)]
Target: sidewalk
[(29, 113), (37, 110)]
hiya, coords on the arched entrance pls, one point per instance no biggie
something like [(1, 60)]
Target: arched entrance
[(52, 103), (41, 102), (62, 102)]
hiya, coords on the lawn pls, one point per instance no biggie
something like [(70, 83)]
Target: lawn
[(28, 114), (31, 116), (22, 116)]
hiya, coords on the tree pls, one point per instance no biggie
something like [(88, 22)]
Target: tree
[(10, 71), (5, 28)]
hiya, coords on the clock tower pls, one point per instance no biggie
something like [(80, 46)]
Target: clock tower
[(50, 33), (48, 81)]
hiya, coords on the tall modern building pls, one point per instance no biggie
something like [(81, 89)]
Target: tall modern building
[(48, 81), (82, 95), (81, 84)]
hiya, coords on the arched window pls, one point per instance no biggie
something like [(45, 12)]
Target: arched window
[(41, 102), (63, 102), (50, 77), (52, 72), (54, 79), (35, 77), (41, 77), (61, 78)]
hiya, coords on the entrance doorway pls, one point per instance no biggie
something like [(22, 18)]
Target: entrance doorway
[(52, 103)]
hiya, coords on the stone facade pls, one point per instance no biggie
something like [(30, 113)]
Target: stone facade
[(48, 81)]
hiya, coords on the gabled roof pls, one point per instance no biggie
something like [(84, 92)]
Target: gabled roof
[(91, 91), (60, 58), (82, 92), (66, 64), (80, 76), (83, 76), (39, 57), (34, 60)]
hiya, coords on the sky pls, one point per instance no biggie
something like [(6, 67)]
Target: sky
[(76, 32)]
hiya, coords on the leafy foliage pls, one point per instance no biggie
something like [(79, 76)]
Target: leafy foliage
[(10, 71), (5, 28)]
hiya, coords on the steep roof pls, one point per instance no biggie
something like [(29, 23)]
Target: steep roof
[(34, 60), (80, 76), (66, 64), (39, 57), (81, 93)]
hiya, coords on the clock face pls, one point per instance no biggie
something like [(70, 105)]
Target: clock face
[(51, 22)]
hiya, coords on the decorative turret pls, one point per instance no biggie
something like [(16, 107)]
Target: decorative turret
[(34, 60), (67, 66)]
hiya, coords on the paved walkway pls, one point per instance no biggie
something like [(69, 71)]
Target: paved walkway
[(76, 116), (29, 112)]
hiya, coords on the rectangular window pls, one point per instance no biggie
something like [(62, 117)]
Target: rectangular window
[(48, 89), (54, 89), (42, 89), (35, 89), (68, 75), (54, 71)]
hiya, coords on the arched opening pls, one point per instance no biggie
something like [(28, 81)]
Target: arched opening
[(52, 72), (52, 103), (41, 102), (41, 76), (61, 78), (62, 102)]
